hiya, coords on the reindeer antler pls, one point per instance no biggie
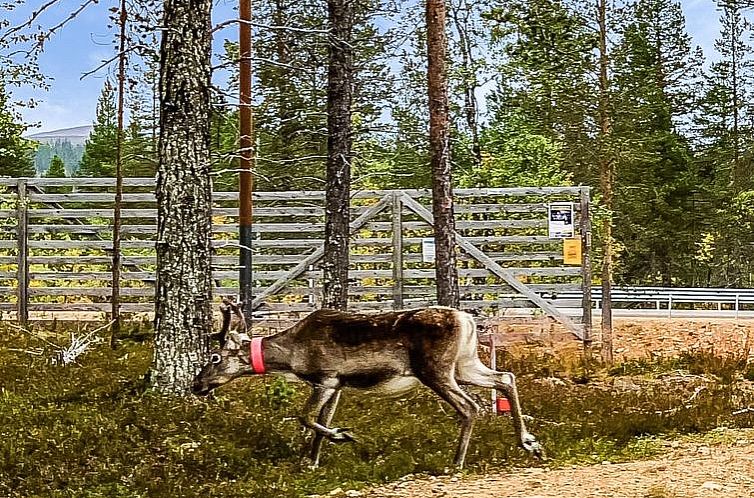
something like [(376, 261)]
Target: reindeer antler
[(225, 311), (233, 332)]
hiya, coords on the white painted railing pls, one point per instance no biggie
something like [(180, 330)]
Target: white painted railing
[(668, 298)]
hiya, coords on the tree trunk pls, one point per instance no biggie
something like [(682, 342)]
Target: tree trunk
[(183, 313), (116, 267), (607, 183), (738, 176), (337, 197), (439, 150)]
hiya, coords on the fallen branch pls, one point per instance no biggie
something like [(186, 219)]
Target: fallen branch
[(748, 409), (69, 354)]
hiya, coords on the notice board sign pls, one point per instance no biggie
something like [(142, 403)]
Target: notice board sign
[(560, 220), (572, 251), (428, 250)]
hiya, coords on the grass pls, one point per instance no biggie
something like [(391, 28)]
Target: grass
[(93, 429)]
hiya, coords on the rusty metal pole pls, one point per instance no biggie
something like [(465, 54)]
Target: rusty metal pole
[(246, 126)]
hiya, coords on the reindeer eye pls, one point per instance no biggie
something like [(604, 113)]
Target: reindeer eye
[(215, 358)]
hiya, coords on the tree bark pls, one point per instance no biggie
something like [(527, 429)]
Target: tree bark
[(338, 189), (607, 183), (183, 314), (439, 150)]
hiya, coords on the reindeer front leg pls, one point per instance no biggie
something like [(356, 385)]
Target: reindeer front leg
[(325, 418), (321, 395), (506, 382)]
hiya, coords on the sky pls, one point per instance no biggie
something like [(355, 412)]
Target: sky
[(84, 43)]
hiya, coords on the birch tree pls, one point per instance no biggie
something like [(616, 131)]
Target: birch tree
[(183, 314)]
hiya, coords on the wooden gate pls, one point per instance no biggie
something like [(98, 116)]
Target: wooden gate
[(506, 256)]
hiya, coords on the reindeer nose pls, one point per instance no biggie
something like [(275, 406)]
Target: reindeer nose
[(198, 388)]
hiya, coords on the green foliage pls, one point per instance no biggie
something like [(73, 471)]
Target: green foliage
[(517, 156), (549, 54), (139, 152), (279, 392), (724, 249), (724, 121), (70, 155), (56, 168), (99, 155), (657, 179), (16, 153), (90, 429)]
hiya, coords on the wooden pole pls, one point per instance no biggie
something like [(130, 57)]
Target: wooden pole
[(586, 265), (115, 301), (397, 252), (246, 182), (607, 183), (22, 209)]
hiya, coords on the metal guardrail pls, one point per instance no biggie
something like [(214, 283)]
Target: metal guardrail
[(665, 298)]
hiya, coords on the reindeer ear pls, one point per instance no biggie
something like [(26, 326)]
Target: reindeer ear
[(239, 324), (225, 311)]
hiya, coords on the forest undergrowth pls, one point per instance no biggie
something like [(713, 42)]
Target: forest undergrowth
[(94, 429)]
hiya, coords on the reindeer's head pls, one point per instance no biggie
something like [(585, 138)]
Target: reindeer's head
[(232, 359)]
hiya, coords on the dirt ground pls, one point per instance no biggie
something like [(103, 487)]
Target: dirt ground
[(633, 337), (689, 469), (719, 465)]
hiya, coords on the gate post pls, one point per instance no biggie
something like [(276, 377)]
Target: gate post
[(586, 265), (22, 275), (397, 251)]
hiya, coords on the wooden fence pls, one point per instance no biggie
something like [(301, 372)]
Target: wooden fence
[(56, 247)]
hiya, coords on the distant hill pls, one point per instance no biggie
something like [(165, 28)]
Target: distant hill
[(68, 144), (75, 136)]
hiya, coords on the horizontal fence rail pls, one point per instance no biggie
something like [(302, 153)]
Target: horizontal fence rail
[(56, 247)]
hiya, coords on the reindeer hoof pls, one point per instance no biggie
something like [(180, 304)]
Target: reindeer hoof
[(309, 464), (532, 446), (342, 435)]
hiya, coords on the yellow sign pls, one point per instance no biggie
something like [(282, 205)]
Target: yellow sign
[(572, 251)]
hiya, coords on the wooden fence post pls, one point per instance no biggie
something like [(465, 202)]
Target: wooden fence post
[(397, 252), (586, 264), (22, 279)]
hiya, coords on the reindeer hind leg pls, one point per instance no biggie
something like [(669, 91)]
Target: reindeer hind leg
[(478, 374), (450, 391)]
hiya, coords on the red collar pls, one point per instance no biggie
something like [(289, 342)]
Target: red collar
[(256, 355)]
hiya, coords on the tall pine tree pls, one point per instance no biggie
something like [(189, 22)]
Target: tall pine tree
[(724, 128), (724, 123), (546, 75), (56, 169), (16, 153), (656, 73), (99, 151)]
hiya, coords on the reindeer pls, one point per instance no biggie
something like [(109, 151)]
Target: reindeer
[(387, 352)]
